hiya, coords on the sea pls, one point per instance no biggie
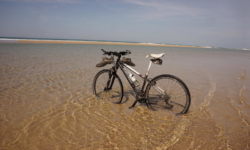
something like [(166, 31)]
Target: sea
[(46, 100)]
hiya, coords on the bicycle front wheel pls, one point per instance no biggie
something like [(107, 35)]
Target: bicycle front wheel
[(108, 86), (167, 92)]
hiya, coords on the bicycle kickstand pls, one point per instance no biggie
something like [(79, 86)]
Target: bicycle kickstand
[(133, 104)]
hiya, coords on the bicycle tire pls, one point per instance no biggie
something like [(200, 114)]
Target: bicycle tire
[(115, 93), (176, 97)]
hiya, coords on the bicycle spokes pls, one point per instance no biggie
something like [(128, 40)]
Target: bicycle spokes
[(168, 92)]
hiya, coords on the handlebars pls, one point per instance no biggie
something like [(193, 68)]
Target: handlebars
[(118, 54)]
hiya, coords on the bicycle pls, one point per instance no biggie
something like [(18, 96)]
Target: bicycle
[(162, 92)]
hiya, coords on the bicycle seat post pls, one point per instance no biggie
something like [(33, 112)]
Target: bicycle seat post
[(149, 66)]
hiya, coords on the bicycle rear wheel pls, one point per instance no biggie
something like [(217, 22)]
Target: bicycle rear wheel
[(108, 86), (167, 92)]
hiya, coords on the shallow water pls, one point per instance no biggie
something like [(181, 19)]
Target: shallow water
[(46, 100)]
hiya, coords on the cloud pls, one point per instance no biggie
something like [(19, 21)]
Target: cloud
[(160, 9), (45, 1)]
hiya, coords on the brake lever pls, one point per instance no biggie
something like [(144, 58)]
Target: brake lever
[(128, 51), (105, 53)]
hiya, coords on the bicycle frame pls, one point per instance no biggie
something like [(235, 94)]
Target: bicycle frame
[(140, 96)]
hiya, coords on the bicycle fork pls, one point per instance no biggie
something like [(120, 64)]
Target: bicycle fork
[(110, 82)]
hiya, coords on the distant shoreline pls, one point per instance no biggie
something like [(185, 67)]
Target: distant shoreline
[(90, 42)]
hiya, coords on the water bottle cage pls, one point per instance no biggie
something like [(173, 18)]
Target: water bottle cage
[(133, 79)]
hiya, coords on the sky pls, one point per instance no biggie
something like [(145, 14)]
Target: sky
[(216, 23)]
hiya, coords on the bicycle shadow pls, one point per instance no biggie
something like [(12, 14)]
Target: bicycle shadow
[(128, 93)]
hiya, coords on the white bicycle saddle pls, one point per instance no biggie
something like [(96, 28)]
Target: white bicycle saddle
[(155, 55)]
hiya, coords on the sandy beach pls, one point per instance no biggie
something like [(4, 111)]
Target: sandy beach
[(100, 43), (47, 102)]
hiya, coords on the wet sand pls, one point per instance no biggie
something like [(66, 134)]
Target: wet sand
[(99, 43), (46, 100)]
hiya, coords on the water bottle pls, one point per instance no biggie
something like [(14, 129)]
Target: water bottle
[(133, 79), (127, 73)]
